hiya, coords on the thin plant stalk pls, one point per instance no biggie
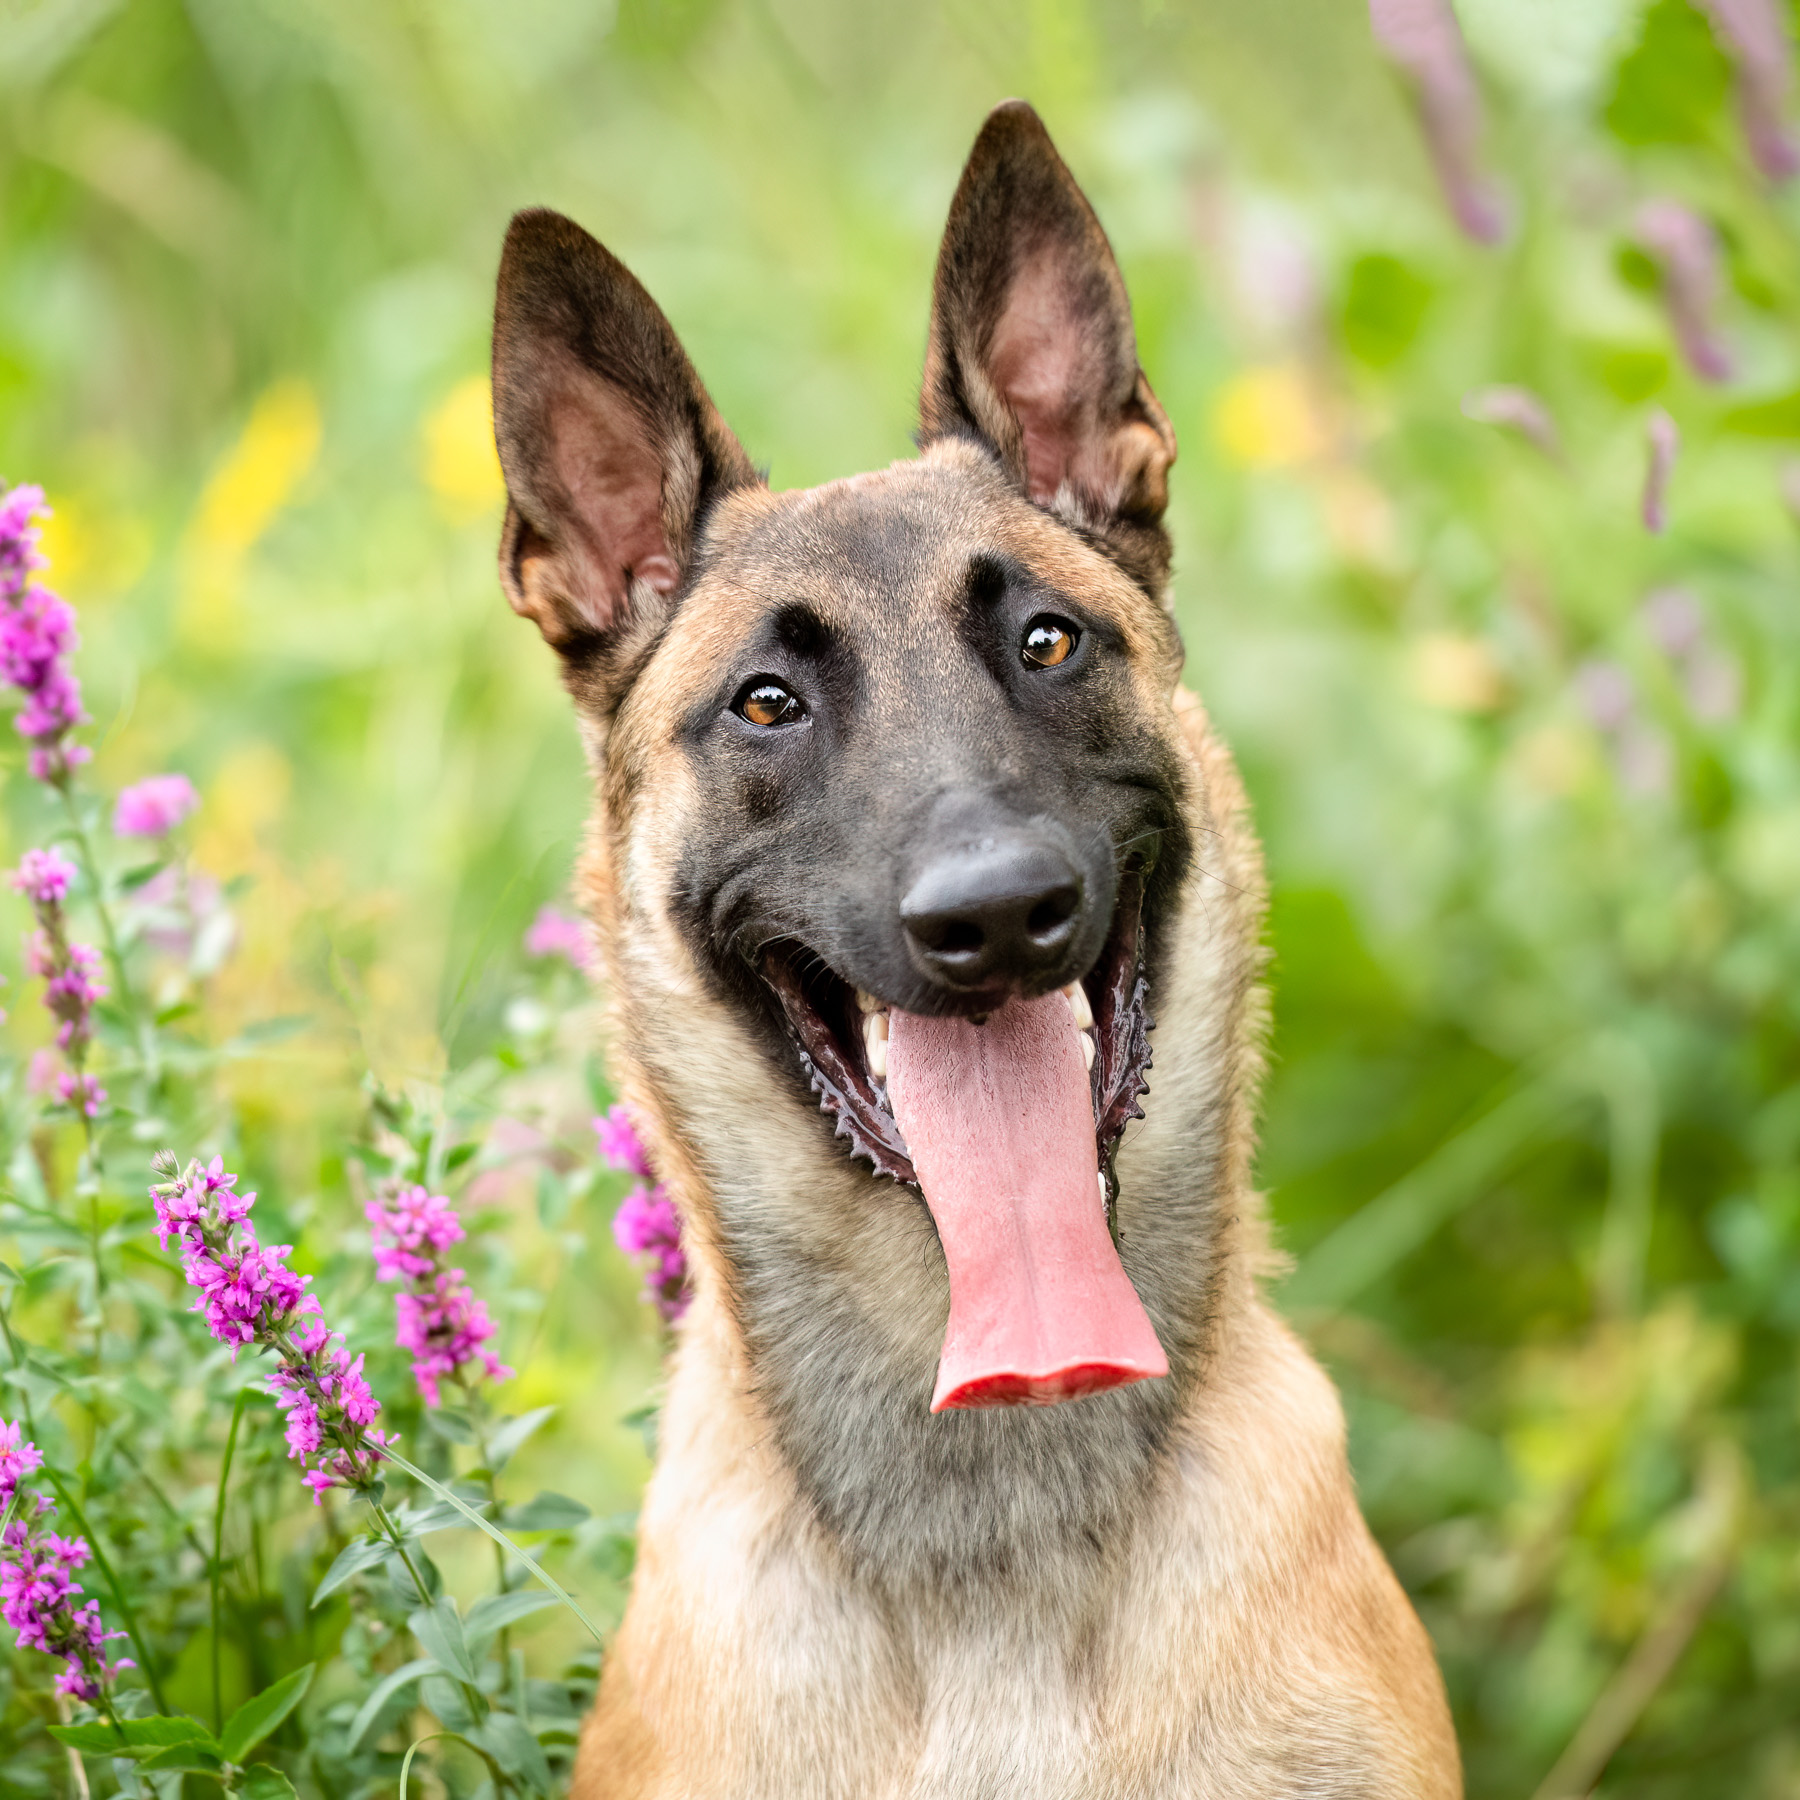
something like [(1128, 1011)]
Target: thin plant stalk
[(216, 1565)]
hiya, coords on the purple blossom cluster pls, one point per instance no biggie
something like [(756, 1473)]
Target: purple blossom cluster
[(37, 1586), (1710, 679), (1752, 34), (440, 1320), (37, 635), (1685, 249), (153, 807), (248, 1295), (1423, 40), (647, 1224), (557, 933), (69, 970)]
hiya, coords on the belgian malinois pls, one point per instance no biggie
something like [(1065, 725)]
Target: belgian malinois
[(986, 1471)]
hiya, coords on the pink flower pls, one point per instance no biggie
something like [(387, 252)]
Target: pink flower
[(43, 877), (1750, 32), (410, 1230), (1423, 40), (154, 806), (440, 1320), (1664, 437), (1520, 410), (37, 1596), (620, 1146), (648, 1225), (81, 1092), (37, 631), (1684, 249), (248, 1295), (557, 933)]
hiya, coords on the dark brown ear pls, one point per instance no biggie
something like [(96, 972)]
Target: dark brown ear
[(611, 448), (1032, 349)]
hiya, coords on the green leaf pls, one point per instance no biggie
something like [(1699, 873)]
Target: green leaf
[(256, 1718), (98, 1738), (363, 1553), (194, 1755), (159, 1730), (383, 1691), (1673, 81), (261, 1782), (451, 1424), (493, 1612), (499, 1537), (1776, 418), (546, 1511), (440, 1635), (506, 1440), (448, 1701), (459, 1156), (509, 1741), (1384, 307)]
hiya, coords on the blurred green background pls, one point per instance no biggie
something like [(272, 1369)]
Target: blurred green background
[(1534, 1113)]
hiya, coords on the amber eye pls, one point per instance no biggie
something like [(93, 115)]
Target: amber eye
[(768, 703), (1048, 641)]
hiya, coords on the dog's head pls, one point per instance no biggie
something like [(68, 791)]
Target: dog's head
[(895, 819)]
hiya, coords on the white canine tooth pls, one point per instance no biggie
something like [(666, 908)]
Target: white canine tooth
[(1087, 1049), (867, 1003), (1076, 995), (875, 1042), (1103, 1193)]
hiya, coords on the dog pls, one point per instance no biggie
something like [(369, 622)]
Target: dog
[(985, 1468)]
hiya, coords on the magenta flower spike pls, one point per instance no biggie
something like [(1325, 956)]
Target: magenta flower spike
[(557, 933), (440, 1319), (37, 1589), (648, 1223), (1664, 438), (37, 635), (1422, 39), (1751, 34), (1685, 251), (248, 1295), (154, 806), (69, 970), (1517, 409)]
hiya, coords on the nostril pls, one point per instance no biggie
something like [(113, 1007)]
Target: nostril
[(1052, 913), (958, 938)]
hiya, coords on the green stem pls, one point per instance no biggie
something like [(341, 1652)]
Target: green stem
[(112, 1581), (237, 1418)]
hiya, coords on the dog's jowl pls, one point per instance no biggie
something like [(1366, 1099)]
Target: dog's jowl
[(986, 1470)]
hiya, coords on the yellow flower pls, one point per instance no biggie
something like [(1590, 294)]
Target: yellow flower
[(457, 450)]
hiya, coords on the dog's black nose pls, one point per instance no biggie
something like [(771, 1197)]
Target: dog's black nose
[(1003, 910)]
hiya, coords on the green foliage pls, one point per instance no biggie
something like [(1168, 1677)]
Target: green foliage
[(1533, 1119)]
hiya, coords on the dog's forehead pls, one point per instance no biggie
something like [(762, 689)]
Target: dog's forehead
[(898, 538)]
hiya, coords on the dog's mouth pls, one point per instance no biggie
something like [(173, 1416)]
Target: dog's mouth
[(1008, 1124)]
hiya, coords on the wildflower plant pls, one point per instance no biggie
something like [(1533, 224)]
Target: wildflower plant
[(134, 1724)]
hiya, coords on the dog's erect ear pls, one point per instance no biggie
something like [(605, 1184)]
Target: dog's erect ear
[(1031, 344), (611, 448)]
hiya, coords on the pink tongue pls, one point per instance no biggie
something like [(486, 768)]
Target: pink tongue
[(999, 1121)]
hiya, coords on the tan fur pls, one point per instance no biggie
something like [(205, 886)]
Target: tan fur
[(1244, 1638)]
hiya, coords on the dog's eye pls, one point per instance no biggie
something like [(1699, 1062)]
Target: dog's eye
[(768, 703), (1048, 641)]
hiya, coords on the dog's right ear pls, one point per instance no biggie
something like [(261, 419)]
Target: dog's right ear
[(611, 448)]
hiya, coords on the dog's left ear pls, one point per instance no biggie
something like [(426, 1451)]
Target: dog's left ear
[(1032, 348), (611, 448)]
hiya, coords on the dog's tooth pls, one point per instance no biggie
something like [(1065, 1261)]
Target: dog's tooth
[(875, 1042), (1076, 995), (867, 1003), (1088, 1051), (1103, 1193)]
